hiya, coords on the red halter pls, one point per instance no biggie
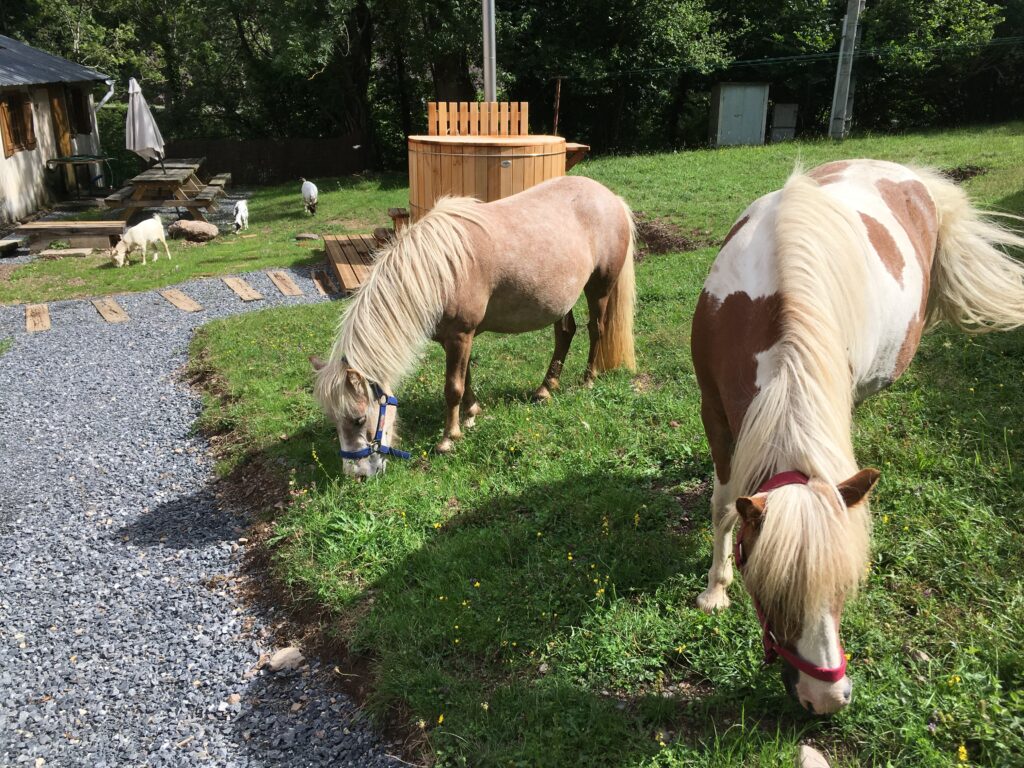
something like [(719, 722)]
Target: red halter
[(773, 649)]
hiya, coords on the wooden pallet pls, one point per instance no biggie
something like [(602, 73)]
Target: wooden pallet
[(351, 256)]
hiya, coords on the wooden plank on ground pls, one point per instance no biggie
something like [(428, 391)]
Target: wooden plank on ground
[(324, 285), (37, 318), (181, 301), (10, 244), (110, 310), (244, 291), (284, 283)]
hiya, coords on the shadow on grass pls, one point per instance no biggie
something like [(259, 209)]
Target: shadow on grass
[(525, 621)]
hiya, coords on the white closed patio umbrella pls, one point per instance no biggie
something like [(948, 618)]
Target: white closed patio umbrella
[(141, 133)]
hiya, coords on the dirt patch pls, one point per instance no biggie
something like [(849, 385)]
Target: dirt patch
[(658, 235), (962, 173), (6, 270)]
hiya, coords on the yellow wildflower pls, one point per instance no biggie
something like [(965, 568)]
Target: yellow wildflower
[(962, 753), (440, 718), (569, 556)]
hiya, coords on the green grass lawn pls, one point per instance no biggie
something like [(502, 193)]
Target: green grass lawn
[(276, 215), (529, 599)]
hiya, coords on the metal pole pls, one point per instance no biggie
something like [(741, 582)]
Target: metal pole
[(837, 127), (490, 58), (558, 99)]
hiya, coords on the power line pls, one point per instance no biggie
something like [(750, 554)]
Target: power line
[(996, 42)]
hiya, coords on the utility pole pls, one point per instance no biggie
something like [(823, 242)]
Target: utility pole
[(839, 124), (490, 57)]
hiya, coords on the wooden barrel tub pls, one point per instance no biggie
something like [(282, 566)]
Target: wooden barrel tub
[(485, 167)]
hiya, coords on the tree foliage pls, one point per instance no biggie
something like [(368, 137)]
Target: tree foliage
[(634, 73)]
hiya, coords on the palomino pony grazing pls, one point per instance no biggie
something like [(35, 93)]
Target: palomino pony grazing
[(509, 266), (818, 299)]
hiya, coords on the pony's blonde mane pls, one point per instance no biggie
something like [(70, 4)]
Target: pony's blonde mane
[(808, 550), (394, 313)]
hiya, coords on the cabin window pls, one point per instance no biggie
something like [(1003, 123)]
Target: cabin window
[(16, 123), (81, 120)]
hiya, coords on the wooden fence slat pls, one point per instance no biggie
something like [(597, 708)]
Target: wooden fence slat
[(442, 118), (284, 283), (524, 118), (474, 118), (432, 118), (492, 107), (503, 122), (463, 118), (37, 318), (242, 289), (181, 301), (110, 310), (513, 117)]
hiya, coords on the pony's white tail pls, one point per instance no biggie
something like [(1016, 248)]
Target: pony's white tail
[(975, 285), (616, 345)]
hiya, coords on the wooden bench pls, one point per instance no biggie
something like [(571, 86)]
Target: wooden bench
[(120, 196), (80, 234), (574, 153), (209, 193), (221, 180)]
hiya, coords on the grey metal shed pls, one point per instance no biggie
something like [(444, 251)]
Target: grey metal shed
[(739, 112)]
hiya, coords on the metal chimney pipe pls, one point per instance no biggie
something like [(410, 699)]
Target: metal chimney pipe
[(490, 58)]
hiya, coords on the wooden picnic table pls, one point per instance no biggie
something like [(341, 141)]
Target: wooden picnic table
[(173, 184)]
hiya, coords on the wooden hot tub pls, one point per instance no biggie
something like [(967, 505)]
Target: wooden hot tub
[(485, 167)]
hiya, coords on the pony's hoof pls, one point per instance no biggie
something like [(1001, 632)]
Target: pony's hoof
[(474, 410), (711, 600), (469, 423), (588, 382), (447, 445), (542, 395)]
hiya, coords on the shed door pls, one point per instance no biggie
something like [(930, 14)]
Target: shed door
[(62, 130)]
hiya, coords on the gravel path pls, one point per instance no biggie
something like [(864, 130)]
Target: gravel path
[(122, 641)]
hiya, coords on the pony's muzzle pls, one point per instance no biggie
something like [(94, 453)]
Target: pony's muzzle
[(816, 696)]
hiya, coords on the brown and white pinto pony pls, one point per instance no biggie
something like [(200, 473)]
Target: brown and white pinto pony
[(509, 266), (818, 299)]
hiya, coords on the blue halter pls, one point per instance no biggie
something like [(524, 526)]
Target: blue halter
[(377, 446)]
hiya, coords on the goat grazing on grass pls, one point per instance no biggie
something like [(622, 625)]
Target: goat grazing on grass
[(309, 195), (140, 236), (241, 215)]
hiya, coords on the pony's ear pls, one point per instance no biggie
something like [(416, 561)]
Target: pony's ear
[(857, 487), (317, 363), (751, 508)]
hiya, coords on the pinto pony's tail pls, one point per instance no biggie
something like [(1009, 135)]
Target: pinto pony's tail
[(975, 284), (616, 345)]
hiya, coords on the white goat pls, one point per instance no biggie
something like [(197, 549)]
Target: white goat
[(141, 236), (241, 215), (309, 195)]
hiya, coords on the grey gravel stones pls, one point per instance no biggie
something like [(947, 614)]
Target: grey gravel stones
[(123, 641)]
